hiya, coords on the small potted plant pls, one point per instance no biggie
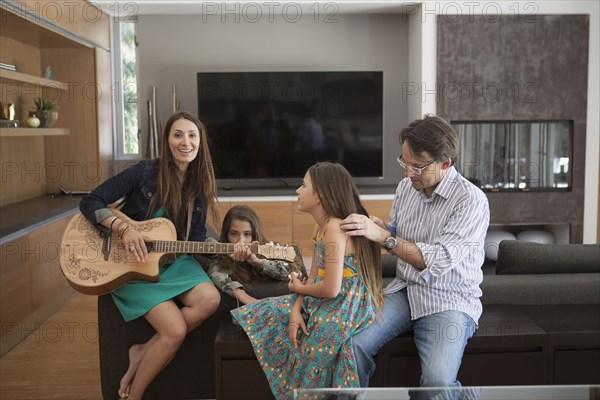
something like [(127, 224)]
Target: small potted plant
[(46, 111)]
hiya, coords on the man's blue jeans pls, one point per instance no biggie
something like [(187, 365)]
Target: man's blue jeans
[(440, 339)]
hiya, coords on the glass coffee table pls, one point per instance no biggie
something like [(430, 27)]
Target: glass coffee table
[(550, 392)]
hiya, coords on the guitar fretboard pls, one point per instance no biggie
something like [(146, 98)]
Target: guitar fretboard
[(168, 246)]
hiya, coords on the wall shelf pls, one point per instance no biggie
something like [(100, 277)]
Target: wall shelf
[(20, 132), (36, 80)]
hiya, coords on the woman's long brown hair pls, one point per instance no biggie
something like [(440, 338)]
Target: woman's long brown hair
[(339, 197), (174, 195)]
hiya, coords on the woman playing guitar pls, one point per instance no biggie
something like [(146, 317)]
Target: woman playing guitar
[(179, 185)]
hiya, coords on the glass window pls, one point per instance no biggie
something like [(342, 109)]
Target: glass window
[(126, 90), (516, 155), (129, 79)]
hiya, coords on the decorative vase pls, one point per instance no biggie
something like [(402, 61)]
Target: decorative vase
[(33, 122), (492, 242), (536, 236), (47, 118)]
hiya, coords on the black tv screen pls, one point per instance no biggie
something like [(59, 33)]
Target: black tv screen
[(274, 125)]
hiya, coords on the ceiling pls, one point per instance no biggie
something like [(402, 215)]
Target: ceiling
[(128, 8)]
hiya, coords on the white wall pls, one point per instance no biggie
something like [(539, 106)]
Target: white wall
[(355, 41), (173, 48), (420, 89)]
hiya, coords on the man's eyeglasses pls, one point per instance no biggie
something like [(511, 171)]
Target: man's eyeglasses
[(412, 168)]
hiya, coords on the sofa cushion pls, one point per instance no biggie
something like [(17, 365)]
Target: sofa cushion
[(388, 266), (519, 257), (261, 289), (581, 288), (574, 318)]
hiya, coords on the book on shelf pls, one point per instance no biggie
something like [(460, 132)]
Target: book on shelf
[(9, 123), (9, 67)]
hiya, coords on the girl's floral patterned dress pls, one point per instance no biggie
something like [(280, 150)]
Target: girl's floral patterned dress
[(325, 357)]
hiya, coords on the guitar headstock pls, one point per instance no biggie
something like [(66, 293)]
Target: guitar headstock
[(276, 252)]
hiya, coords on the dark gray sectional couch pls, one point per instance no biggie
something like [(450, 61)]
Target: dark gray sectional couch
[(540, 325), (540, 322)]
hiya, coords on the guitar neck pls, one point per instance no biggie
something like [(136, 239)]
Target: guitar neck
[(169, 246)]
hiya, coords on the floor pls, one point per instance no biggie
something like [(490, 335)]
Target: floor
[(59, 359)]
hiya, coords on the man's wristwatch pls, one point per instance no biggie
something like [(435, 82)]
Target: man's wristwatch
[(390, 243)]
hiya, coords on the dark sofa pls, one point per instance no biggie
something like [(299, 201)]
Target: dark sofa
[(540, 322), (540, 325), (191, 374)]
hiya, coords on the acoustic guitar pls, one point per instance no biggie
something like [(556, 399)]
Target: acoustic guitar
[(97, 264)]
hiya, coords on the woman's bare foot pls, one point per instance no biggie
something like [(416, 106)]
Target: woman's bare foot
[(136, 352)]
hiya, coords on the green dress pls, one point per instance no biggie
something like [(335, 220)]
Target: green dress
[(137, 297)]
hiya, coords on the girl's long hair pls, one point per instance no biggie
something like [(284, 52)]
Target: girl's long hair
[(175, 195), (243, 273), (339, 197)]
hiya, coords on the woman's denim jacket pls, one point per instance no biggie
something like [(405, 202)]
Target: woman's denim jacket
[(137, 184)]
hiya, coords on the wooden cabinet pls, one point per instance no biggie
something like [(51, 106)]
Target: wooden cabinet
[(32, 286), (77, 151), (283, 223)]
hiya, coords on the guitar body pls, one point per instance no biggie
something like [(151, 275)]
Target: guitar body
[(83, 263), (93, 265)]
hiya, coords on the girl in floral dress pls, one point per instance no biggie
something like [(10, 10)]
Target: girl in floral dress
[(304, 340)]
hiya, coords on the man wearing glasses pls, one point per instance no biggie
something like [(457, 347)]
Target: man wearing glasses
[(436, 228)]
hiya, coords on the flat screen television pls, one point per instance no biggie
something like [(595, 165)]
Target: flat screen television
[(266, 127)]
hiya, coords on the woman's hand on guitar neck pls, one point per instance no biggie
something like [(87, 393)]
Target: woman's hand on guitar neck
[(135, 243)]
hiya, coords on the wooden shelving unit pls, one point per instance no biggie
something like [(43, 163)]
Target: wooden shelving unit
[(14, 76), (35, 80), (76, 152), (32, 44), (18, 132)]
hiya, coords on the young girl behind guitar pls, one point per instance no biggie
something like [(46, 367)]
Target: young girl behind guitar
[(179, 185), (234, 273)]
